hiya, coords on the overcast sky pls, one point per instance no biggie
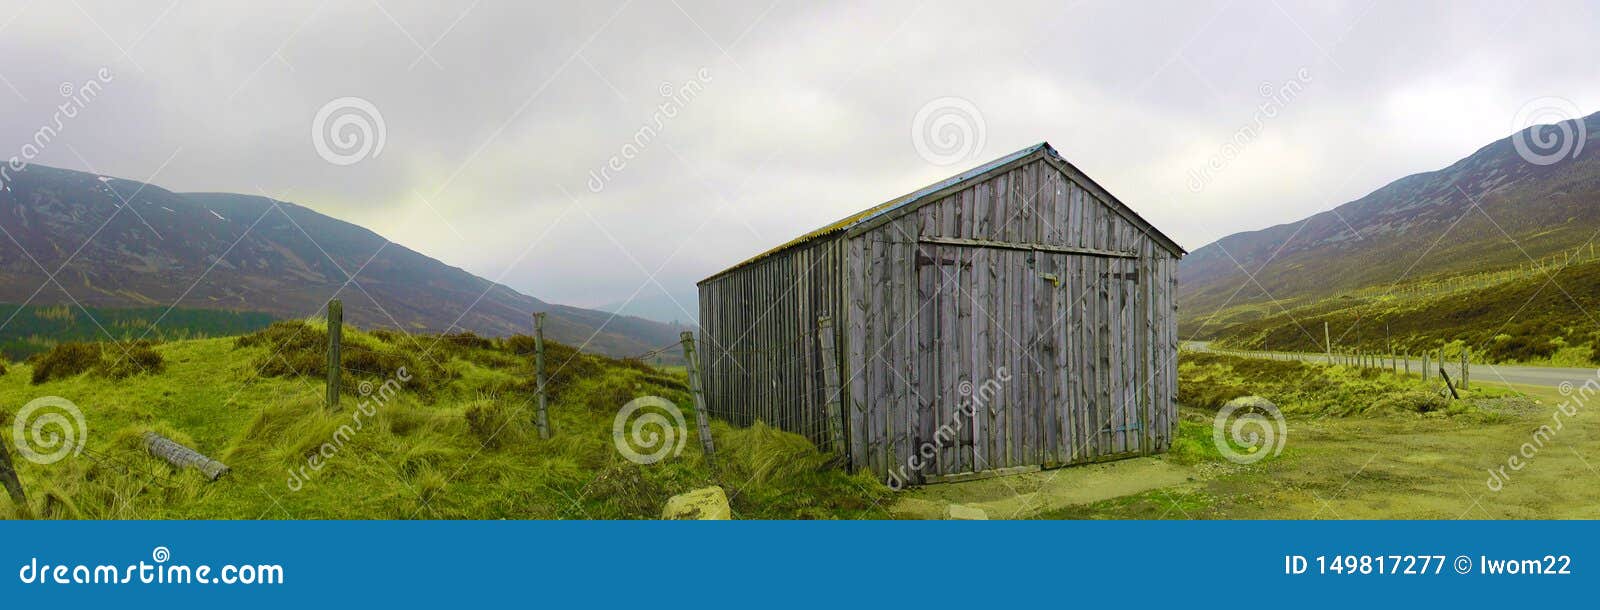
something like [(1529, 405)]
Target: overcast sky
[(498, 117)]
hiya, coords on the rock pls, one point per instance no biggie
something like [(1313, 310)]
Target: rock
[(963, 512), (709, 503)]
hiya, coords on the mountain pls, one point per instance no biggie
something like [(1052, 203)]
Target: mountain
[(120, 243), (1490, 211)]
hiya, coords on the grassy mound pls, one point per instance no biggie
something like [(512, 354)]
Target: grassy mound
[(457, 441), (109, 360)]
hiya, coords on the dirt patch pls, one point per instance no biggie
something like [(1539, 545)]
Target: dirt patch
[(1025, 495)]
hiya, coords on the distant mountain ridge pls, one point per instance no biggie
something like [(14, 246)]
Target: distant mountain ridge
[(250, 253), (1490, 210)]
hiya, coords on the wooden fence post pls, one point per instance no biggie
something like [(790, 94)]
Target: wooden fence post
[(539, 376), (1327, 341), (692, 366), (335, 332), (8, 478), (1466, 363), (830, 383), (1425, 365), (1446, 377)]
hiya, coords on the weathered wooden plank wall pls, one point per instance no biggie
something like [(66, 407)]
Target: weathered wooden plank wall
[(761, 360), (939, 303)]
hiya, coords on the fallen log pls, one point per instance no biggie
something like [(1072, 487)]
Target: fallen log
[(181, 456)]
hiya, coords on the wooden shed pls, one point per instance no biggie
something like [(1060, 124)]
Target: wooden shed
[(1014, 317)]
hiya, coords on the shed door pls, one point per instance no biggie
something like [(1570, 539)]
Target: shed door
[(981, 385), (1024, 358), (1110, 383), (1093, 341)]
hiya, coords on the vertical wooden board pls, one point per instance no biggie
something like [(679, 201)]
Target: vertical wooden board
[(884, 409), (1105, 437), (751, 344), (930, 343), (1141, 322), (975, 353), (811, 394), (856, 349), (1070, 346), (1063, 208), (1016, 315), (872, 293), (1044, 358), (896, 412), (1052, 360), (1088, 366), (763, 344), (1129, 345), (1004, 219), (947, 294), (1119, 335), (741, 311), (953, 361), (899, 409), (770, 329), (905, 340), (1089, 354), (1148, 277), (1172, 332), (973, 216), (994, 315), (1044, 203), (1027, 381), (918, 413), (1119, 409)]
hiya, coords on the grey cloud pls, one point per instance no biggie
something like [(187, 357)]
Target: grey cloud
[(492, 135)]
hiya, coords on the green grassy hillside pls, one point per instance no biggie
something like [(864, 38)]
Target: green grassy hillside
[(457, 441), (1546, 316)]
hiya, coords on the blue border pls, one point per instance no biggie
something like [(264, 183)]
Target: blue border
[(798, 564)]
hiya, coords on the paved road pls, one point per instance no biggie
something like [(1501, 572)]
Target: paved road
[(1543, 376)]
